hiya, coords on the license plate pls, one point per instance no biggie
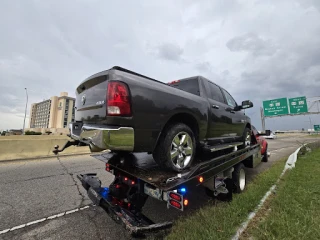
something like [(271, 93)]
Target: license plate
[(156, 193)]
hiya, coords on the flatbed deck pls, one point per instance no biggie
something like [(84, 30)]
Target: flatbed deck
[(124, 201), (143, 167)]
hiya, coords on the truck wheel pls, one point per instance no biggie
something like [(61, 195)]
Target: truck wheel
[(265, 155), (246, 137), (176, 148), (239, 178), (209, 192)]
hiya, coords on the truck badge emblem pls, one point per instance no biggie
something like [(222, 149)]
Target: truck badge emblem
[(83, 99)]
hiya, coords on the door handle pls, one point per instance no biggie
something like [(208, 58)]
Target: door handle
[(229, 110), (215, 106)]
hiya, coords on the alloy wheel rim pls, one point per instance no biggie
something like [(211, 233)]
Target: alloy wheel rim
[(248, 139), (242, 179), (181, 150)]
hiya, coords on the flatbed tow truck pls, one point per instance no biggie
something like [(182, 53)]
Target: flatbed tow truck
[(137, 177)]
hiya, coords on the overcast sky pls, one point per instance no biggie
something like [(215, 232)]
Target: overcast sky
[(257, 50)]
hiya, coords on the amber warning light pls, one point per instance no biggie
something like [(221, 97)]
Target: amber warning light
[(200, 179)]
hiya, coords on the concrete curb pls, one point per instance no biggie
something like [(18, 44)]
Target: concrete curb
[(290, 163), (42, 157)]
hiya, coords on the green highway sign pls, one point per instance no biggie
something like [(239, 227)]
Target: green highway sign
[(316, 128), (275, 107), (298, 105)]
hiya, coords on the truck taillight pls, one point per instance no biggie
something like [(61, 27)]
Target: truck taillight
[(118, 99), (175, 196), (175, 204)]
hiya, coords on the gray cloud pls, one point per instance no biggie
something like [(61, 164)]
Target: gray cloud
[(204, 67), (169, 51), (310, 3), (252, 43), (257, 51)]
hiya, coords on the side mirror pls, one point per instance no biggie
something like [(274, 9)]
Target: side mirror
[(246, 104)]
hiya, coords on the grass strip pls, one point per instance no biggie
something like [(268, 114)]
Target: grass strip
[(294, 211), (222, 220), (312, 135)]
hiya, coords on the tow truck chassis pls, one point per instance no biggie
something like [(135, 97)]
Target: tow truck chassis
[(137, 177)]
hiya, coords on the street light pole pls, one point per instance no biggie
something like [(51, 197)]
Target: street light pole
[(25, 111)]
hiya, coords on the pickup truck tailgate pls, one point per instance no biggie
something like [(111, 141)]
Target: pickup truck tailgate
[(91, 100)]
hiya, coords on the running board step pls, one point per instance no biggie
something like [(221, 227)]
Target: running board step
[(224, 146)]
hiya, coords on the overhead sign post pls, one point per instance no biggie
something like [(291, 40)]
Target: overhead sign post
[(298, 105), (275, 107), (316, 128)]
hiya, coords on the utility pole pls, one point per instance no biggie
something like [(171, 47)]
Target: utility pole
[(263, 123), (310, 123), (25, 112)]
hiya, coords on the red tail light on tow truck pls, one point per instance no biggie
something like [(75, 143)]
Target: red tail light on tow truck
[(175, 196), (175, 204), (107, 167), (177, 200)]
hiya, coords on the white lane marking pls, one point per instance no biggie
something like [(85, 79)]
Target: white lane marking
[(18, 227), (51, 217), (60, 214), (42, 220), (72, 211), (84, 208), (4, 231), (37, 221)]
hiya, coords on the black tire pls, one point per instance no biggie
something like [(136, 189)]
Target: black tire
[(237, 176), (265, 157), (209, 192), (246, 133), (162, 152)]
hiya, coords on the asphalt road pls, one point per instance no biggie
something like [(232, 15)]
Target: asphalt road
[(36, 189)]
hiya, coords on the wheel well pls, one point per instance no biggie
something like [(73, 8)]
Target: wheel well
[(187, 119)]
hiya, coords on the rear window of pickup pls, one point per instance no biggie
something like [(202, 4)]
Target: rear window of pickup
[(190, 85)]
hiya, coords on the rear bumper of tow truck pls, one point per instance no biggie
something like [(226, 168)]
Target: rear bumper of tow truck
[(136, 224)]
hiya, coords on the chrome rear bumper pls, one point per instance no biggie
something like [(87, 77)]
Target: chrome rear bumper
[(101, 138)]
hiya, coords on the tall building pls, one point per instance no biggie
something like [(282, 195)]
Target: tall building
[(55, 112)]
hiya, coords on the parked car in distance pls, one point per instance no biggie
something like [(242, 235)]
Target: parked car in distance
[(263, 143), (271, 136), (124, 111)]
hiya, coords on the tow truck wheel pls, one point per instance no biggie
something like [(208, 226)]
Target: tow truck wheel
[(176, 147), (239, 178), (209, 192), (265, 155)]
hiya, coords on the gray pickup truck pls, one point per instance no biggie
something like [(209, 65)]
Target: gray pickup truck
[(124, 111)]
